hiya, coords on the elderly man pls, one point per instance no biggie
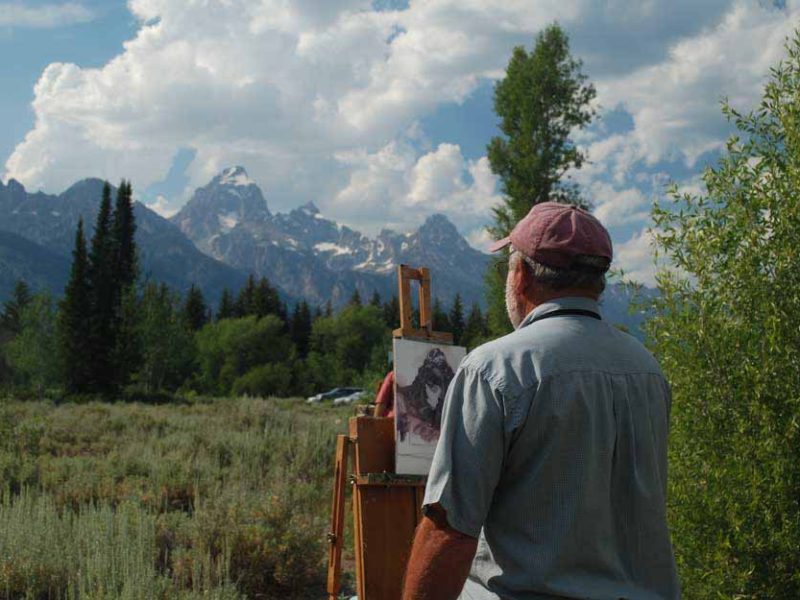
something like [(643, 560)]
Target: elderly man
[(549, 479)]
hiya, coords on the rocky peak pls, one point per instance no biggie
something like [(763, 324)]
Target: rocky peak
[(235, 176), (229, 200), (14, 187), (309, 208)]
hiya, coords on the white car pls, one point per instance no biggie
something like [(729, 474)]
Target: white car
[(350, 399), (334, 394)]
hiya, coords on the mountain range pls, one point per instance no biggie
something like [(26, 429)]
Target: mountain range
[(226, 231)]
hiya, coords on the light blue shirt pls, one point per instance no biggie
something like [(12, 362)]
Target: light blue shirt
[(553, 453)]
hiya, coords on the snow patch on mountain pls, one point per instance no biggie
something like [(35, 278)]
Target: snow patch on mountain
[(331, 247)]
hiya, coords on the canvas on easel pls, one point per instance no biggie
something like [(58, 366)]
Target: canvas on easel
[(423, 371)]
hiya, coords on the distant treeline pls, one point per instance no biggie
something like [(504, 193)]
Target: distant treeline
[(114, 336)]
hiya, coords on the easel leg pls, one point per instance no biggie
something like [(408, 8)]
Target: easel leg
[(336, 535)]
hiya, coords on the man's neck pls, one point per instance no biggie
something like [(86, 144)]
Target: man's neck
[(538, 297)]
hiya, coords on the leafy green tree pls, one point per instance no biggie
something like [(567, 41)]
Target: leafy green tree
[(30, 353), (227, 307), (456, 317), (166, 342), (725, 328), (229, 349), (543, 98), (195, 311), (11, 317), (350, 337), (102, 256), (74, 321)]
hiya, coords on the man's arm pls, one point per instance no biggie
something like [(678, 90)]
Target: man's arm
[(440, 559)]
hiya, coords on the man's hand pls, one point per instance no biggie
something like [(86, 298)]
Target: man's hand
[(440, 559)]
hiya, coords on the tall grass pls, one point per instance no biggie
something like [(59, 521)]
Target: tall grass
[(216, 498)]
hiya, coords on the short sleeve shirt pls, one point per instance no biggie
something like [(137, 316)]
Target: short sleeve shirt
[(553, 453)]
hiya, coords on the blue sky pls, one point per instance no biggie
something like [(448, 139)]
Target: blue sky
[(378, 111)]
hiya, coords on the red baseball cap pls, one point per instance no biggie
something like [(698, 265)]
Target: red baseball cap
[(553, 233)]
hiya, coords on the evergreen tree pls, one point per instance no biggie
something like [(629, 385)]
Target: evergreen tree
[(301, 328), (245, 302), (195, 311), (103, 310), (457, 319), (543, 98), (441, 322), (227, 306), (127, 350), (391, 313), (74, 321), (10, 320), (329, 308), (266, 300), (317, 313), (475, 330), (375, 300), (124, 230), (355, 299)]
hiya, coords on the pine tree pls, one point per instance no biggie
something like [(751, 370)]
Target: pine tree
[(441, 322), (75, 320), (125, 268), (457, 319), (124, 228), (245, 302), (329, 308), (301, 328), (103, 310), (317, 313), (195, 311), (11, 319), (375, 300), (355, 299), (542, 100), (227, 306), (475, 330), (391, 313), (266, 300)]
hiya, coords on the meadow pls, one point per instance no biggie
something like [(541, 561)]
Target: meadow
[(223, 498)]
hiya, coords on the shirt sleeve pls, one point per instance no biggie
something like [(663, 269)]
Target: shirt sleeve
[(469, 455)]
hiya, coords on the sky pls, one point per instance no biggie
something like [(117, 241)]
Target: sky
[(378, 111)]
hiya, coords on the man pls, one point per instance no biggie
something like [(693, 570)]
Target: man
[(550, 474)]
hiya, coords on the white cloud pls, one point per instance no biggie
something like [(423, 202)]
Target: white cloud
[(396, 188), (163, 206), (319, 98), (616, 207), (635, 257), (675, 103), (45, 16)]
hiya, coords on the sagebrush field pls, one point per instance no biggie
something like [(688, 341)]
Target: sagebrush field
[(224, 498)]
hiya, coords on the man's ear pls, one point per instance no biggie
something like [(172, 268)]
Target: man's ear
[(522, 279)]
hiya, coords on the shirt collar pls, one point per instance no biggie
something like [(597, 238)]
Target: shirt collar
[(560, 303)]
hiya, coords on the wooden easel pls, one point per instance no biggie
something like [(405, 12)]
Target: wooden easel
[(386, 506)]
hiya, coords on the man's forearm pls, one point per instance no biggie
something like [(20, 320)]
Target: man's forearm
[(440, 560)]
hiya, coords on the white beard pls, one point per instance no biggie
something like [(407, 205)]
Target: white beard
[(513, 308)]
